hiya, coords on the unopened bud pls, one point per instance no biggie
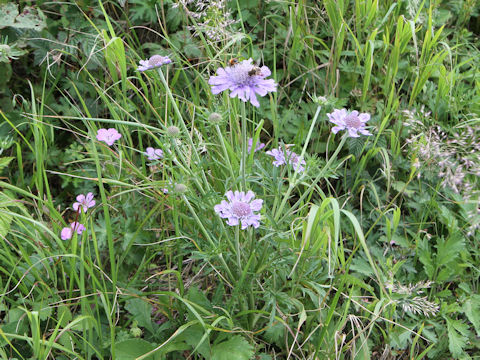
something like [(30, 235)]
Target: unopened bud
[(173, 131), (180, 188), (215, 118)]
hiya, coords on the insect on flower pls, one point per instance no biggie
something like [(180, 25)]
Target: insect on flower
[(232, 62), (243, 81), (255, 71)]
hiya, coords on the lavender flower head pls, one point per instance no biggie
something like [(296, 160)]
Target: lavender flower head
[(287, 157), (154, 154), (84, 202), (240, 208), (259, 146), (109, 136), (244, 80), (154, 62), (67, 232), (353, 122)]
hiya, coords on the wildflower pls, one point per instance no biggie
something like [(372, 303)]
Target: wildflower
[(287, 157), (154, 62), (259, 146), (67, 232), (244, 80), (240, 208), (353, 122), (154, 154), (85, 202), (109, 136)]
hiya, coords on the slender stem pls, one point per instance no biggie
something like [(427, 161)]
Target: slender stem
[(319, 176), (237, 248), (293, 181), (182, 123), (244, 146), (225, 152)]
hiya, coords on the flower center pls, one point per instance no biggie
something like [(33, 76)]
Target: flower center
[(240, 75), (353, 121), (241, 209), (155, 60)]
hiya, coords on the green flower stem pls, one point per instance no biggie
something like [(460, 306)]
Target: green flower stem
[(244, 146), (182, 123), (225, 152), (237, 248)]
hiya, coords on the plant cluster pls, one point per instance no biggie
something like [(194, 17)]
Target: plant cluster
[(253, 179)]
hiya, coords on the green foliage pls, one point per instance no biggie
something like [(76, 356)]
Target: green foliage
[(373, 250)]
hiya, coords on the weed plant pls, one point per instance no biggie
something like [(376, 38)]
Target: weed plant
[(239, 179)]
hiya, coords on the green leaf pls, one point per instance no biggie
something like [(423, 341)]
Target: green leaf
[(471, 308), (456, 339), (448, 250), (237, 348), (4, 161), (425, 257), (141, 311), (29, 18), (132, 348), (8, 13)]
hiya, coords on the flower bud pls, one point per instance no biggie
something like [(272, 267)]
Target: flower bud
[(180, 188), (215, 118), (173, 131)]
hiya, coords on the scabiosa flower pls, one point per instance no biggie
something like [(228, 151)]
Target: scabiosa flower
[(109, 136), (67, 232), (154, 62), (240, 208), (286, 156), (353, 122), (259, 146), (244, 80), (84, 202), (154, 154)]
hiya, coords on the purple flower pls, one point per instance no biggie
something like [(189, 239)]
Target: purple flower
[(67, 232), (154, 62), (154, 154), (85, 202), (244, 80), (240, 208), (287, 157), (353, 122), (109, 136), (259, 146)]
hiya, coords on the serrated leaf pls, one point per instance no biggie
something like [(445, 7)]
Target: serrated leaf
[(236, 348), (456, 341), (448, 250)]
